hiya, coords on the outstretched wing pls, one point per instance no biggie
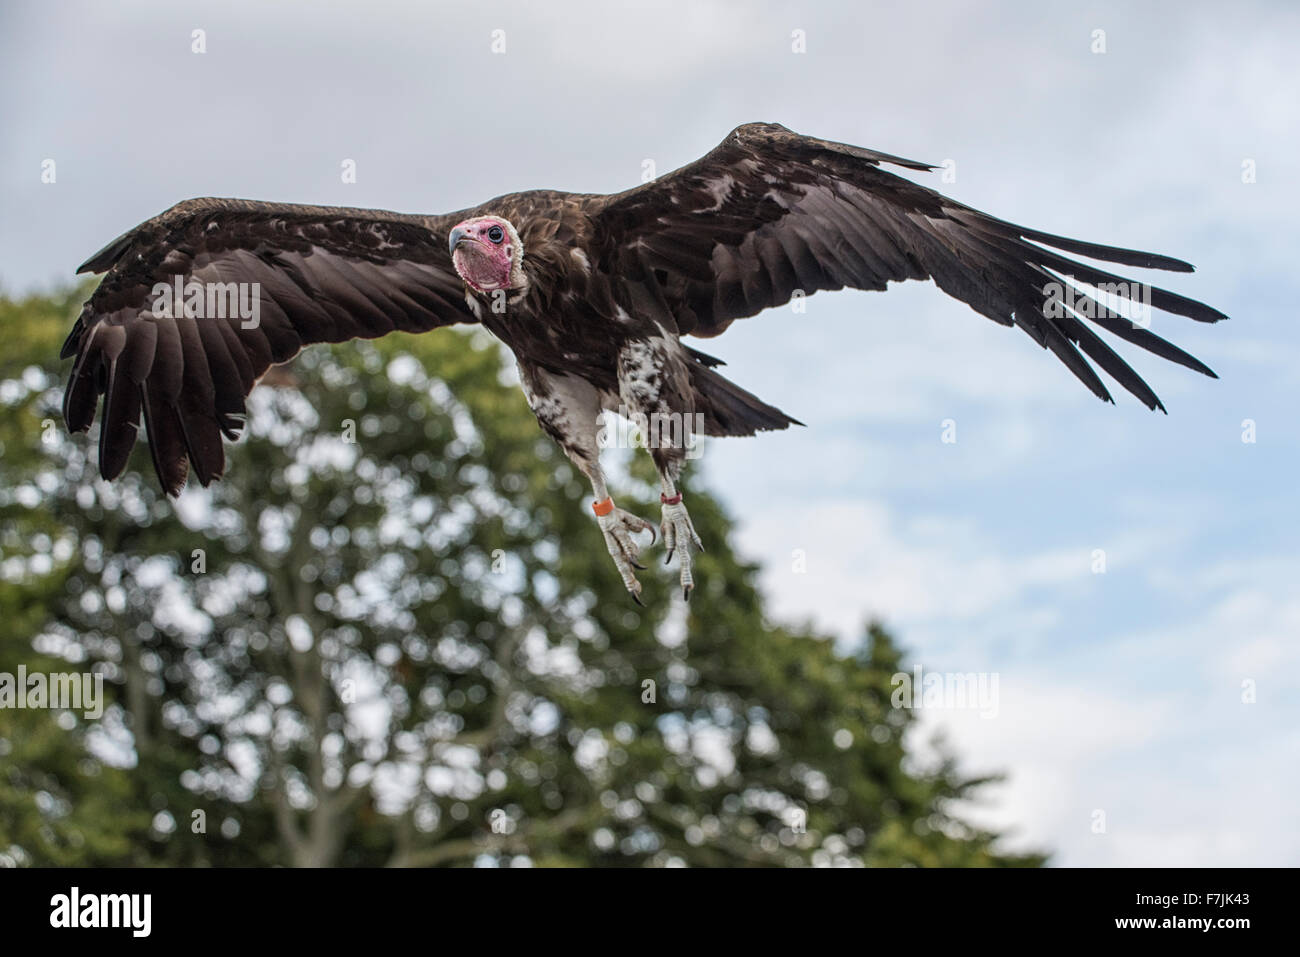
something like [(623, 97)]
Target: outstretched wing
[(316, 274), (769, 213)]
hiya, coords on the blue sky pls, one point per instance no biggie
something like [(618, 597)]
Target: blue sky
[(1119, 692)]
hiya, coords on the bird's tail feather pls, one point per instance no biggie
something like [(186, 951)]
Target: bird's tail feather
[(730, 410)]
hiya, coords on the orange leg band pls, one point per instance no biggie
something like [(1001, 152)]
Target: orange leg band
[(603, 508)]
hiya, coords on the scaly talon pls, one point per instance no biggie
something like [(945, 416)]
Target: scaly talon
[(679, 534), (618, 527)]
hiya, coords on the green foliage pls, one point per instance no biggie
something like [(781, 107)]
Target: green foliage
[(393, 636)]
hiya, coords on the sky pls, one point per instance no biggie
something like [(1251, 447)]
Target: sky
[(1129, 578)]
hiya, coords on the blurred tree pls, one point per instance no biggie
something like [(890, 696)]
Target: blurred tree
[(392, 636), (59, 804)]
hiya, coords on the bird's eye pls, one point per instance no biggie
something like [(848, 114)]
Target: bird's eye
[(496, 234)]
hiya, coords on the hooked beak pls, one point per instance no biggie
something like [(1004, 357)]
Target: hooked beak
[(458, 236)]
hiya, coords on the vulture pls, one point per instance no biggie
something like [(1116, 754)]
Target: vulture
[(592, 293)]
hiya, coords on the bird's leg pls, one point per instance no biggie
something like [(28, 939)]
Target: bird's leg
[(618, 527), (678, 531), (568, 410), (654, 386)]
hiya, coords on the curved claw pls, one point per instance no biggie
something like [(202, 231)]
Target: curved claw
[(618, 527), (679, 535)]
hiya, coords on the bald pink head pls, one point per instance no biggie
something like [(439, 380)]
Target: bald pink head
[(486, 253)]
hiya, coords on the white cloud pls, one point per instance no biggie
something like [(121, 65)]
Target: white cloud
[(1186, 772), (857, 560)]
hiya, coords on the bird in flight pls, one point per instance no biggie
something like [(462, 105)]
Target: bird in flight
[(593, 295)]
